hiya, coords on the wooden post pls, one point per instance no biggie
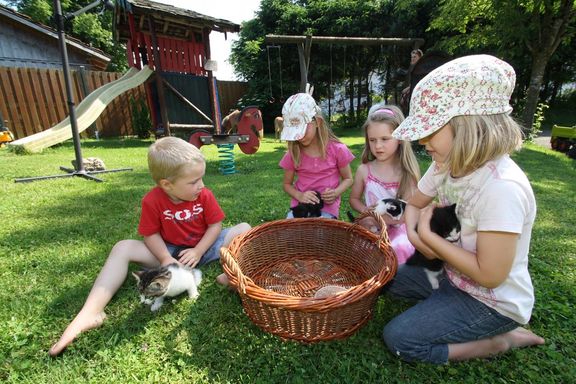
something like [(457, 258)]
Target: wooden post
[(213, 91), (157, 73)]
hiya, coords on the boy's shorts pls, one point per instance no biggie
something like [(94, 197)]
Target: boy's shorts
[(212, 254)]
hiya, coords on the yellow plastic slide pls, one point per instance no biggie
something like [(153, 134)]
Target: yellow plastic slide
[(86, 112)]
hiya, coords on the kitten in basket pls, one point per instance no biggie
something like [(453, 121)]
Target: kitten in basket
[(443, 222), (168, 281), (307, 209)]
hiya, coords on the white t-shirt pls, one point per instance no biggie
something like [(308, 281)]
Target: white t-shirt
[(495, 197)]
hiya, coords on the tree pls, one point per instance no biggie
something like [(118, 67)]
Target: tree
[(516, 29), (337, 66)]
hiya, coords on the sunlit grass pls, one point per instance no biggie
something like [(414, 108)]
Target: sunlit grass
[(56, 234)]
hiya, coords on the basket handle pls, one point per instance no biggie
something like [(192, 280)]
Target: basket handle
[(383, 231), (234, 268)]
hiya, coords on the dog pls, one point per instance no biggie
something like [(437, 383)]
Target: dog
[(278, 126), (230, 122)]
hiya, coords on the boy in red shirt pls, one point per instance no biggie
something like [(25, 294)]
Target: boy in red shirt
[(181, 221)]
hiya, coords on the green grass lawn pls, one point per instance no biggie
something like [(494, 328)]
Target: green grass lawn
[(56, 234)]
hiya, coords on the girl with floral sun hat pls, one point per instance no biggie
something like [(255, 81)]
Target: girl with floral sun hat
[(460, 112)]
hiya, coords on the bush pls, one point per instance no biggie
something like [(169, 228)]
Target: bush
[(140, 118)]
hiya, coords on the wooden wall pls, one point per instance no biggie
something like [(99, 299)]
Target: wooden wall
[(34, 99)]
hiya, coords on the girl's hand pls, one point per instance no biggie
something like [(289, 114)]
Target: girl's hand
[(370, 224), (190, 257), (424, 220), (308, 197), (329, 195)]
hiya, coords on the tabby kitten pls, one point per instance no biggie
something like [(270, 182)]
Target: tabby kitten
[(167, 281)]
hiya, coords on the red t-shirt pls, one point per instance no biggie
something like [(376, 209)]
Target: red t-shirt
[(181, 224)]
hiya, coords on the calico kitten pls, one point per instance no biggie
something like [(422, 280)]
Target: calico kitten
[(168, 281), (307, 209), (443, 222)]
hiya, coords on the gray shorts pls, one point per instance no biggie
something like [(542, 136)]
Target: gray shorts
[(212, 254)]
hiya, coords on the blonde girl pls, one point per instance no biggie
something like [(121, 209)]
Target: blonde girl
[(316, 161), (460, 112), (389, 170)]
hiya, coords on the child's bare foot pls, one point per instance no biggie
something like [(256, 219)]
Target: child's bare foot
[(222, 279), (521, 337), (82, 322)]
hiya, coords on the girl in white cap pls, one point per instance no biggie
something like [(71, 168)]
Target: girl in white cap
[(460, 112), (389, 170), (318, 161)]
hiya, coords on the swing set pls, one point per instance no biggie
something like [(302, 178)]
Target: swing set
[(304, 45)]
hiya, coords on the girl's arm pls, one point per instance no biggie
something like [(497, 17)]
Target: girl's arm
[(329, 195), (489, 266), (412, 217), (303, 197), (356, 201)]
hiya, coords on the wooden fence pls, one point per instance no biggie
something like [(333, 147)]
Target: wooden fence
[(34, 99)]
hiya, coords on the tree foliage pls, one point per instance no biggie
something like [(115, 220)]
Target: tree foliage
[(347, 69), (526, 33)]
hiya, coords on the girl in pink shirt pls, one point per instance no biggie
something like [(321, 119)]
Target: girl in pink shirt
[(316, 161)]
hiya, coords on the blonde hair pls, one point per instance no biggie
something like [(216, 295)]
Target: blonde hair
[(479, 139), (393, 116), (325, 135), (170, 156)]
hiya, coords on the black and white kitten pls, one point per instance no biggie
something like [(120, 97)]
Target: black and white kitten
[(444, 223), (391, 207), (167, 281), (308, 209)]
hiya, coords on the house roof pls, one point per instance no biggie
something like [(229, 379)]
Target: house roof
[(71, 42), (171, 21)]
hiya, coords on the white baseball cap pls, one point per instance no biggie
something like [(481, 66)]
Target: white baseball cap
[(469, 85), (297, 112)]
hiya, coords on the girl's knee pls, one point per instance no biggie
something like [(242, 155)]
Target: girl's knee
[(399, 340)]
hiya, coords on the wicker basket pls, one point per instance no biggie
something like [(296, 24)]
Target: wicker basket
[(279, 266)]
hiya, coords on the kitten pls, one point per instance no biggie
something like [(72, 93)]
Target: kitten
[(168, 281), (443, 222), (391, 207), (307, 209)]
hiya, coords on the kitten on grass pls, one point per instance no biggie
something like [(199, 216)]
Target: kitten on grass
[(168, 281)]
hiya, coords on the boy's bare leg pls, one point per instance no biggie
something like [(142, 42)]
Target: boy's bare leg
[(109, 280), (519, 337), (232, 233)]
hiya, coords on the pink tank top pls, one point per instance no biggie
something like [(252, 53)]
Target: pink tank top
[(375, 190)]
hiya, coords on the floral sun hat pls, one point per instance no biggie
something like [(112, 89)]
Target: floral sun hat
[(470, 85), (297, 112)]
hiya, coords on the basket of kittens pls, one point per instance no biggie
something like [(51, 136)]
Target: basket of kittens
[(310, 279)]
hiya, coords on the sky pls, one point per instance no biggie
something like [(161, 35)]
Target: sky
[(236, 11)]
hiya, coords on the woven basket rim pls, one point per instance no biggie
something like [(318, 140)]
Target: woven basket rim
[(245, 285)]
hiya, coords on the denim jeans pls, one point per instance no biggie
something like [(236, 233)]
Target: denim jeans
[(445, 316), (212, 254)]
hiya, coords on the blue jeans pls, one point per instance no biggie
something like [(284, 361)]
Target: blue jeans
[(212, 254), (444, 316)]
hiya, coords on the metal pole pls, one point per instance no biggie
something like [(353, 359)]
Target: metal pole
[(79, 166), (70, 96)]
